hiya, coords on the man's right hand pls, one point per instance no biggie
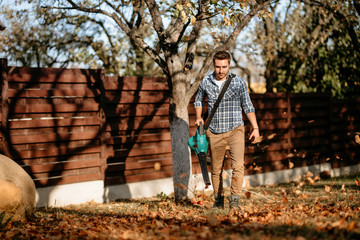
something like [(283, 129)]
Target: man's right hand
[(198, 121)]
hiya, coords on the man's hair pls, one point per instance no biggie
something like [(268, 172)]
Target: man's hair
[(221, 55)]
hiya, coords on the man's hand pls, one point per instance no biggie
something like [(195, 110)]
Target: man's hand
[(255, 135), (198, 121)]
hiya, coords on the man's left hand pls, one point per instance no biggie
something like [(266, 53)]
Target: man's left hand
[(255, 135)]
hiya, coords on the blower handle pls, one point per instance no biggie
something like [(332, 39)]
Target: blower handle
[(201, 129)]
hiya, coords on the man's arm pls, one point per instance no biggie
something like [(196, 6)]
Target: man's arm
[(255, 131), (199, 119)]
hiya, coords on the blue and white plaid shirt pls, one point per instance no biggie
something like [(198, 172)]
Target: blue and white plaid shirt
[(228, 116)]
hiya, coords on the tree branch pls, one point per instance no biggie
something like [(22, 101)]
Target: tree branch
[(195, 34), (341, 17), (157, 21), (228, 43)]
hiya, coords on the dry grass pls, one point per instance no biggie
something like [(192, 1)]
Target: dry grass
[(325, 209)]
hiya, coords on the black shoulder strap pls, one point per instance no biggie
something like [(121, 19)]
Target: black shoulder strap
[(216, 105)]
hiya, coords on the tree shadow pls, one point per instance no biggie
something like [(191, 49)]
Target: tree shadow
[(68, 139)]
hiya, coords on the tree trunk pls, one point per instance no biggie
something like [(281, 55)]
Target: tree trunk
[(181, 155)]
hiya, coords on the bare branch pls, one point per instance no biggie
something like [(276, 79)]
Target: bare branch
[(195, 34), (228, 43), (156, 17), (129, 32)]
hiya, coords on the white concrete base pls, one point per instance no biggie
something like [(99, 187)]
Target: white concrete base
[(66, 194), (77, 193), (336, 172), (139, 189), (287, 175)]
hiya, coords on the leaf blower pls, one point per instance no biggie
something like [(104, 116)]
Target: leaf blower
[(200, 145)]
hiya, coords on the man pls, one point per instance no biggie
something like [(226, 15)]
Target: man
[(227, 126)]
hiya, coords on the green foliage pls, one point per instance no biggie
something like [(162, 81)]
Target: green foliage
[(163, 196), (308, 48)]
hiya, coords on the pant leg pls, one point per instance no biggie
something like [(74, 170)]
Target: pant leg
[(217, 147), (236, 143)]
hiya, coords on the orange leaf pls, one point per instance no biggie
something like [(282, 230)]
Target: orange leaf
[(248, 194), (183, 175), (357, 139), (309, 174), (157, 166), (271, 136), (291, 164), (357, 182), (285, 200), (352, 226), (257, 168), (180, 185), (327, 188)]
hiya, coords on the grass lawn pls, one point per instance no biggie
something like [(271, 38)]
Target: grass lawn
[(308, 209)]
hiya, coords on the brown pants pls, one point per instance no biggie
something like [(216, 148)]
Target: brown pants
[(235, 139)]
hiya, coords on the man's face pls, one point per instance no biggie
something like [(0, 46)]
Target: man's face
[(221, 68)]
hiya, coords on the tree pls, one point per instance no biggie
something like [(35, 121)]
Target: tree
[(297, 44), (51, 39), (177, 31)]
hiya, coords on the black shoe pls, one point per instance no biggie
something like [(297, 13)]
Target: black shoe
[(234, 202), (219, 201)]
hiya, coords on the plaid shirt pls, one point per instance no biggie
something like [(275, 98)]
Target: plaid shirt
[(228, 116)]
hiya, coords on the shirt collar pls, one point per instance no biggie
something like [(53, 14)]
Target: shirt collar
[(212, 78)]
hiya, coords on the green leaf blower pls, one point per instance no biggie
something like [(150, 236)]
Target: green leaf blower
[(200, 145)]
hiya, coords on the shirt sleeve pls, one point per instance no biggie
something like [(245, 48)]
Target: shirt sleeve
[(199, 97), (245, 98)]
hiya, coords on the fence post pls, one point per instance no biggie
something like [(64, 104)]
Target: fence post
[(4, 105)]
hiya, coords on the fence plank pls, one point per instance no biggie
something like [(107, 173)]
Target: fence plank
[(70, 125)]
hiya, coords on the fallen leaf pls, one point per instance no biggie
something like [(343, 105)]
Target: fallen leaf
[(248, 194), (352, 226), (159, 224), (290, 155), (327, 189), (297, 191), (271, 136), (291, 164), (357, 139), (357, 181), (157, 166), (180, 185), (309, 174), (311, 181), (258, 168)]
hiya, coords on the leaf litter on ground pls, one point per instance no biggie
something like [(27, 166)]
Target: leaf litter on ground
[(308, 209)]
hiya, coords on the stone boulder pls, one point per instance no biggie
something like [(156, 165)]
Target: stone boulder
[(17, 190)]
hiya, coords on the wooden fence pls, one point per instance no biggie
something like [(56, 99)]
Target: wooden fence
[(75, 125)]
